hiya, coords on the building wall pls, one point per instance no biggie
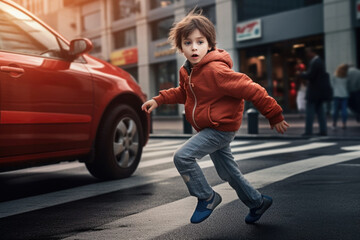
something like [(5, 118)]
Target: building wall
[(336, 20), (289, 25), (340, 43)]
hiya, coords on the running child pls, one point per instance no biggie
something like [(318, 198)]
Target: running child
[(214, 96)]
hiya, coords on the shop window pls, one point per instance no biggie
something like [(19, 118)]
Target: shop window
[(249, 9), (210, 13), (275, 68), (125, 38), (123, 8), (165, 75), (358, 46), (91, 21), (160, 3), (160, 29), (253, 63), (133, 71)]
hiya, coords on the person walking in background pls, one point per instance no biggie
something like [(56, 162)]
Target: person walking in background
[(339, 83), (213, 95), (301, 87), (353, 77), (318, 91)]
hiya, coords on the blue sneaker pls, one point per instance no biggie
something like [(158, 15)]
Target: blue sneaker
[(256, 213), (205, 208)]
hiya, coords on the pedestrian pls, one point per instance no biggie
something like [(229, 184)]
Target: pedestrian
[(301, 87), (354, 90), (339, 84), (318, 92), (213, 95)]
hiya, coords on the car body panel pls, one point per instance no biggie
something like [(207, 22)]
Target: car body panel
[(51, 107), (47, 108)]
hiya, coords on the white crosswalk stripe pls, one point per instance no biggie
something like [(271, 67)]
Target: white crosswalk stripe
[(245, 156), (162, 144), (163, 160), (47, 169), (158, 153), (258, 146), (170, 146)]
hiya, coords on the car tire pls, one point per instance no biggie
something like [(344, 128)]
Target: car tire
[(118, 146)]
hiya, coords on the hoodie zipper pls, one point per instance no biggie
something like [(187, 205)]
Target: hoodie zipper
[(193, 112)]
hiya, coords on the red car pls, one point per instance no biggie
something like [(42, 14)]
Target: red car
[(57, 103)]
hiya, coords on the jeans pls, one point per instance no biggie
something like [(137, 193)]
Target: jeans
[(311, 109), (217, 145), (343, 102)]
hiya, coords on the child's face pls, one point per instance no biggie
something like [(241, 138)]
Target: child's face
[(195, 47)]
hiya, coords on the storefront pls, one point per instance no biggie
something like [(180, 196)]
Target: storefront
[(165, 78), (271, 50), (163, 73), (274, 67), (357, 25), (127, 59)]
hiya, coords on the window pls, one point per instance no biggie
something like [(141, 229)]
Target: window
[(210, 13), (358, 47), (160, 3), (20, 33), (123, 8), (133, 71), (125, 38), (165, 75), (160, 29), (91, 21), (248, 9)]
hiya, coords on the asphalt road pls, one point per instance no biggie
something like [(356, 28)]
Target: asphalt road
[(314, 183)]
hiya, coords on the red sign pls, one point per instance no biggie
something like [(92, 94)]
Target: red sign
[(358, 9), (248, 30), (124, 57), (248, 27)]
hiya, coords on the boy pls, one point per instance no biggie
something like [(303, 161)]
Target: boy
[(213, 95)]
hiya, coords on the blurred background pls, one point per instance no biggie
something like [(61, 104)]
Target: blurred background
[(266, 39)]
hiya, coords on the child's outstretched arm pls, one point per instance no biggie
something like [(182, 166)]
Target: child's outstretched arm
[(281, 127), (149, 106)]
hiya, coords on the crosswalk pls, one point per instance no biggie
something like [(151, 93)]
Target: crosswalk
[(141, 225), (158, 153)]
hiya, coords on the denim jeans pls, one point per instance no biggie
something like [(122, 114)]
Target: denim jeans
[(311, 109), (217, 145), (340, 102)]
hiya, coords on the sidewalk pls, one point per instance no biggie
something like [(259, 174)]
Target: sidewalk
[(174, 127)]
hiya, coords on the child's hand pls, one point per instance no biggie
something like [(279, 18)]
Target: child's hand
[(281, 127), (150, 105)]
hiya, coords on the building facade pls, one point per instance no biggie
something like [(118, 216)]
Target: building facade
[(266, 39)]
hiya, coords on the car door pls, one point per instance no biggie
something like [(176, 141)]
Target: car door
[(46, 102)]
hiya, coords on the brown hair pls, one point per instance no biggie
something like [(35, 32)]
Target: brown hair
[(341, 71), (190, 23)]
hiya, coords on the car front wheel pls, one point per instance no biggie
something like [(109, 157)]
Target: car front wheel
[(118, 145)]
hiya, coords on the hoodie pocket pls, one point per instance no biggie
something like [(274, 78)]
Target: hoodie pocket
[(213, 123), (203, 118)]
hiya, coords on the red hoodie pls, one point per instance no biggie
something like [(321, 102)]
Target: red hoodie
[(214, 94)]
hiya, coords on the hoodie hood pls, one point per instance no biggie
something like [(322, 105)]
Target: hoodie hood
[(219, 55)]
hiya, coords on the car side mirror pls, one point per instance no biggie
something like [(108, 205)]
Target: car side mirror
[(79, 46)]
